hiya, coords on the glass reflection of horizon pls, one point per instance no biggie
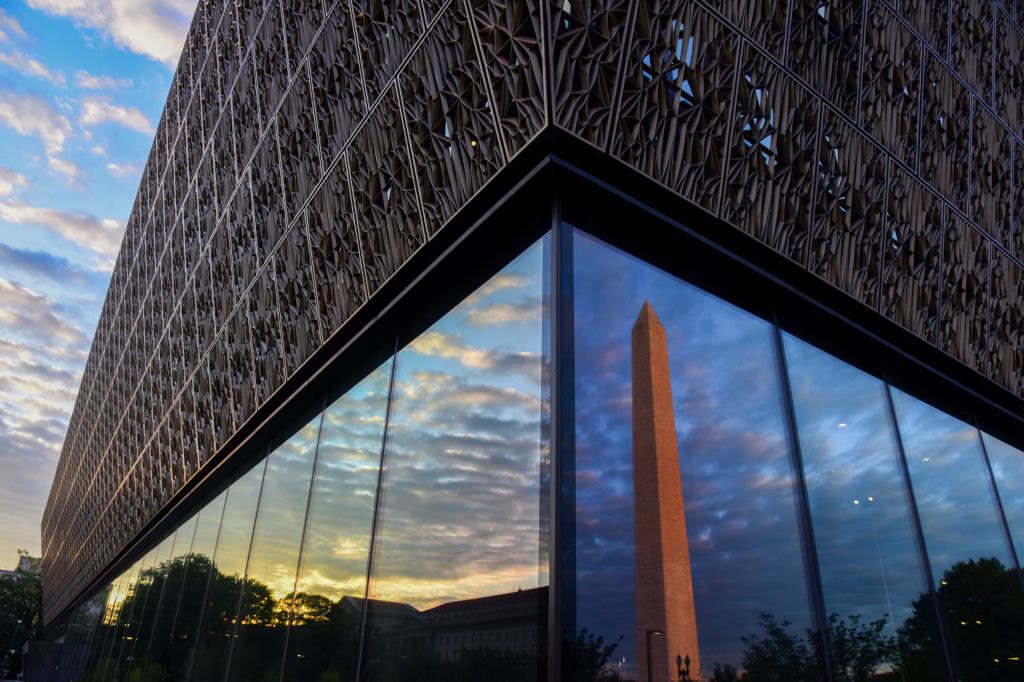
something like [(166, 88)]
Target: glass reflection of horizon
[(460, 518)]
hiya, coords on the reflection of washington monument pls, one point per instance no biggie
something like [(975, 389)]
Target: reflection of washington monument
[(666, 621)]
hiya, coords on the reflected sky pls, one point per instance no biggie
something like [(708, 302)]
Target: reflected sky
[(341, 513), (952, 486), (867, 550), (275, 545), (1008, 468), (274, 557), (738, 488), (461, 500)]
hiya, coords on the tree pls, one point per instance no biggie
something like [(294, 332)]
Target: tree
[(588, 653), (20, 611), (982, 605)]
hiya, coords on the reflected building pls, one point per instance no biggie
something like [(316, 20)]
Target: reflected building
[(370, 400)]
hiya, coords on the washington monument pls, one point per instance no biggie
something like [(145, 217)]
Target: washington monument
[(666, 621)]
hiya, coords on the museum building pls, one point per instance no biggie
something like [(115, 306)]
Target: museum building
[(593, 340)]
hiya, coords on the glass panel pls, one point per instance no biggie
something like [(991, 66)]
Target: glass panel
[(688, 544), (189, 611), (459, 581), (966, 541), (1008, 468), (224, 588), (96, 663), (143, 611), (125, 623), (872, 573), (78, 639), (258, 650), (324, 638), (167, 582)]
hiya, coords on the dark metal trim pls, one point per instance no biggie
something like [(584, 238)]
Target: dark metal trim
[(922, 545), (810, 547)]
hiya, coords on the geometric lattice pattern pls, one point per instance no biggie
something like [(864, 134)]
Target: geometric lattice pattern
[(307, 150)]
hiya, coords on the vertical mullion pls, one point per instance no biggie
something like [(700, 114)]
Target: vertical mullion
[(376, 511), (803, 502), (302, 539), (562, 551), (184, 581), (209, 579), (248, 558), (922, 545), (999, 502)]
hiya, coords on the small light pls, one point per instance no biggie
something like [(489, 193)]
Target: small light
[(842, 425), (925, 459), (978, 622), (944, 582), (856, 501), (870, 499), (1013, 658), (472, 143), (963, 622), (996, 660)]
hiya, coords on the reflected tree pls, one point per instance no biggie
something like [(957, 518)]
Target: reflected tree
[(590, 655), (983, 608)]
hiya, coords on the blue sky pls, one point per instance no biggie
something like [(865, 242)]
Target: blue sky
[(82, 84)]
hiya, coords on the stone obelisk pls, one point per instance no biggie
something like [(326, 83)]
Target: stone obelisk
[(666, 621)]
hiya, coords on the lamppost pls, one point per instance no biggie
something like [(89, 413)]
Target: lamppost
[(683, 672), (650, 661)]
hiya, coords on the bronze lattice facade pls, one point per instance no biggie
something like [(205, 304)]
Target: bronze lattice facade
[(308, 152)]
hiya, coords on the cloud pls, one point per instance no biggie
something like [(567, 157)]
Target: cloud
[(153, 28), (34, 316), (69, 169), (10, 181), (32, 115), (97, 110), (123, 170), (9, 26), (84, 79), (505, 313), (41, 264), (102, 236), (98, 150), (503, 281), (435, 344), (27, 66)]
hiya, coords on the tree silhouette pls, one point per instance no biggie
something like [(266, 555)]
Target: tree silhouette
[(587, 655), (982, 604)]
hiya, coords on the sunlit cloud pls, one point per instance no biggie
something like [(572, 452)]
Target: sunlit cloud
[(505, 313), (32, 115), (436, 344), (11, 181), (97, 110), (28, 66), (123, 170), (66, 168), (84, 79), (100, 235), (153, 28), (504, 281)]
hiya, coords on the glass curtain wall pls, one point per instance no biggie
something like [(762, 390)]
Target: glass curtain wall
[(745, 507), (320, 564), (748, 507)]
